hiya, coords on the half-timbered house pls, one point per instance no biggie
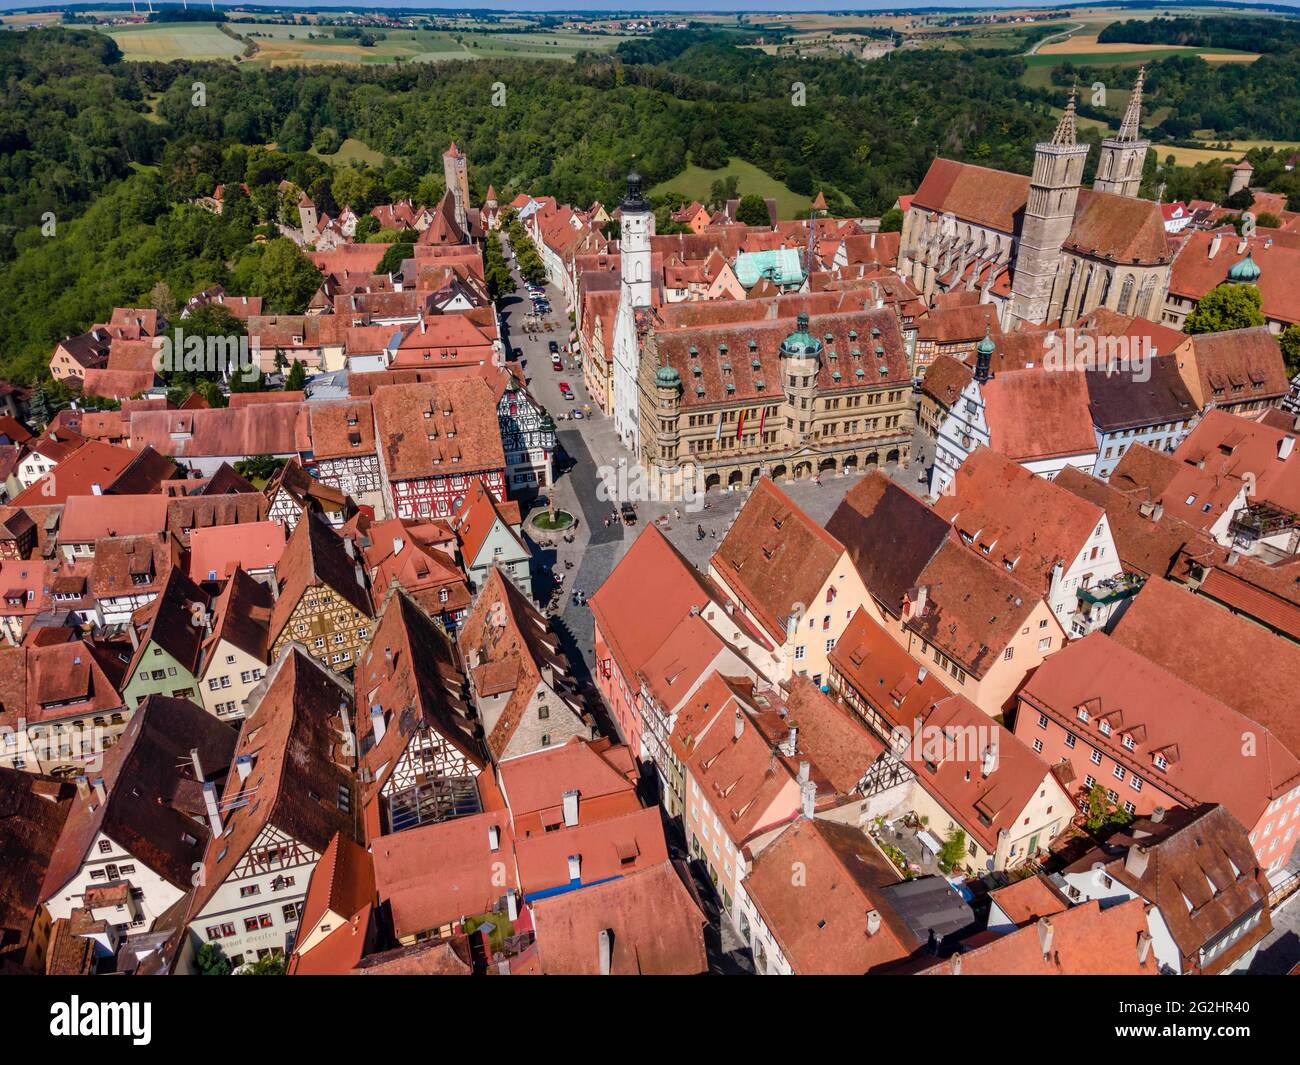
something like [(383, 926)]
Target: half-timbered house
[(435, 439), (420, 747), (322, 599), (293, 491), (293, 788), (343, 450)]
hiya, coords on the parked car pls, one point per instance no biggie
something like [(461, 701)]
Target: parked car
[(566, 391), (553, 347), (557, 364), (518, 353), (628, 512)]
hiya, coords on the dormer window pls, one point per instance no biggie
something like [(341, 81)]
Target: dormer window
[(1083, 714)]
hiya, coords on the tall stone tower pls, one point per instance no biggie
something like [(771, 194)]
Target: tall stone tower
[(455, 171), (1049, 214), (1119, 170), (636, 227)]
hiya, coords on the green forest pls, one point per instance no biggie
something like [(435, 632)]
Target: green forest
[(100, 159)]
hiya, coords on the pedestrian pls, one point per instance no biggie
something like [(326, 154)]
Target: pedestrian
[(713, 534)]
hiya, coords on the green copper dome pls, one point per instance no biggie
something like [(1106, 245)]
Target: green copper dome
[(667, 377), (985, 346), (1245, 272), (801, 344)]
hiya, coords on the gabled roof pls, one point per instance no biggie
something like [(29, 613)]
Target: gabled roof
[(33, 810), (446, 429), (993, 198), (314, 556), (890, 535), (822, 920), (775, 559), (1035, 414), (154, 802), (342, 890), (241, 615), (175, 622), (884, 674)]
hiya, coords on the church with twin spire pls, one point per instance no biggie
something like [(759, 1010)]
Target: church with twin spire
[(1042, 248)]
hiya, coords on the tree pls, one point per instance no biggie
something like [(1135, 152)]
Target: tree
[(271, 965), (296, 377), (753, 211), (162, 300), (953, 852), (393, 258), (367, 226), (1102, 812), (259, 467), (286, 278), (1290, 341), (1227, 307), (1268, 220), (891, 221), (210, 961)]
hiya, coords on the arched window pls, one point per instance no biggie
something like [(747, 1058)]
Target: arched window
[(1144, 300), (1126, 295)]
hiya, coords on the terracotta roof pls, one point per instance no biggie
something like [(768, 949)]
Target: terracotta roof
[(973, 607), (478, 516), (1269, 594), (1121, 229), (656, 927), (436, 957), (1025, 901), (259, 429), (945, 379), (1033, 414), (1027, 523), (1238, 365), (993, 198), (1085, 941), (254, 545), (316, 555), (154, 806), (93, 463), (342, 428), (822, 920), (446, 429), (342, 890), (1226, 446), (534, 786), (1199, 869), (33, 810), (1217, 652), (878, 668), (241, 615), (1195, 273), (301, 772), (775, 559)]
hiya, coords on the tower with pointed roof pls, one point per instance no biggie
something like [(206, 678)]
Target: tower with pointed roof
[(455, 172), (1119, 170), (1048, 218), (636, 227)]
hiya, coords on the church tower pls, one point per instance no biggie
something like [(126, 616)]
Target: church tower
[(636, 227), (455, 172), (1049, 215), (1119, 170)]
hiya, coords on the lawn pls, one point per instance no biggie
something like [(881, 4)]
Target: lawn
[(352, 150), (694, 183), (166, 41)]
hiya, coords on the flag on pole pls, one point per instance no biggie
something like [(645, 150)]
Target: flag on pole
[(740, 424), (718, 434), (762, 421)]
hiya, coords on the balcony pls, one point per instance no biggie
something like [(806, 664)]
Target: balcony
[(1261, 520), (1111, 590)]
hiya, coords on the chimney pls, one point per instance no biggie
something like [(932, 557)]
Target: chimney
[(1157, 815), (1045, 935), (989, 761), (132, 635), (1158, 512), (571, 809), (1215, 242), (96, 490), (1284, 448), (377, 724), (98, 787), (575, 867), (494, 838), (398, 544), (808, 798), (791, 741), (83, 789), (606, 942), (361, 575), (740, 725), (919, 602), (244, 767), (873, 922), (197, 764), (1144, 946), (1135, 861), (804, 768), (512, 905), (214, 813), (955, 962), (921, 674)]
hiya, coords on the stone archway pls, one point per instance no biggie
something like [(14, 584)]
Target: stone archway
[(779, 471), (827, 465), (802, 470), (735, 478), (873, 460), (850, 463), (893, 455), (755, 474), (712, 481)]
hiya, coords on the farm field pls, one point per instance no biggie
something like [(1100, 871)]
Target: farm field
[(176, 40), (694, 183), (1192, 156)]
